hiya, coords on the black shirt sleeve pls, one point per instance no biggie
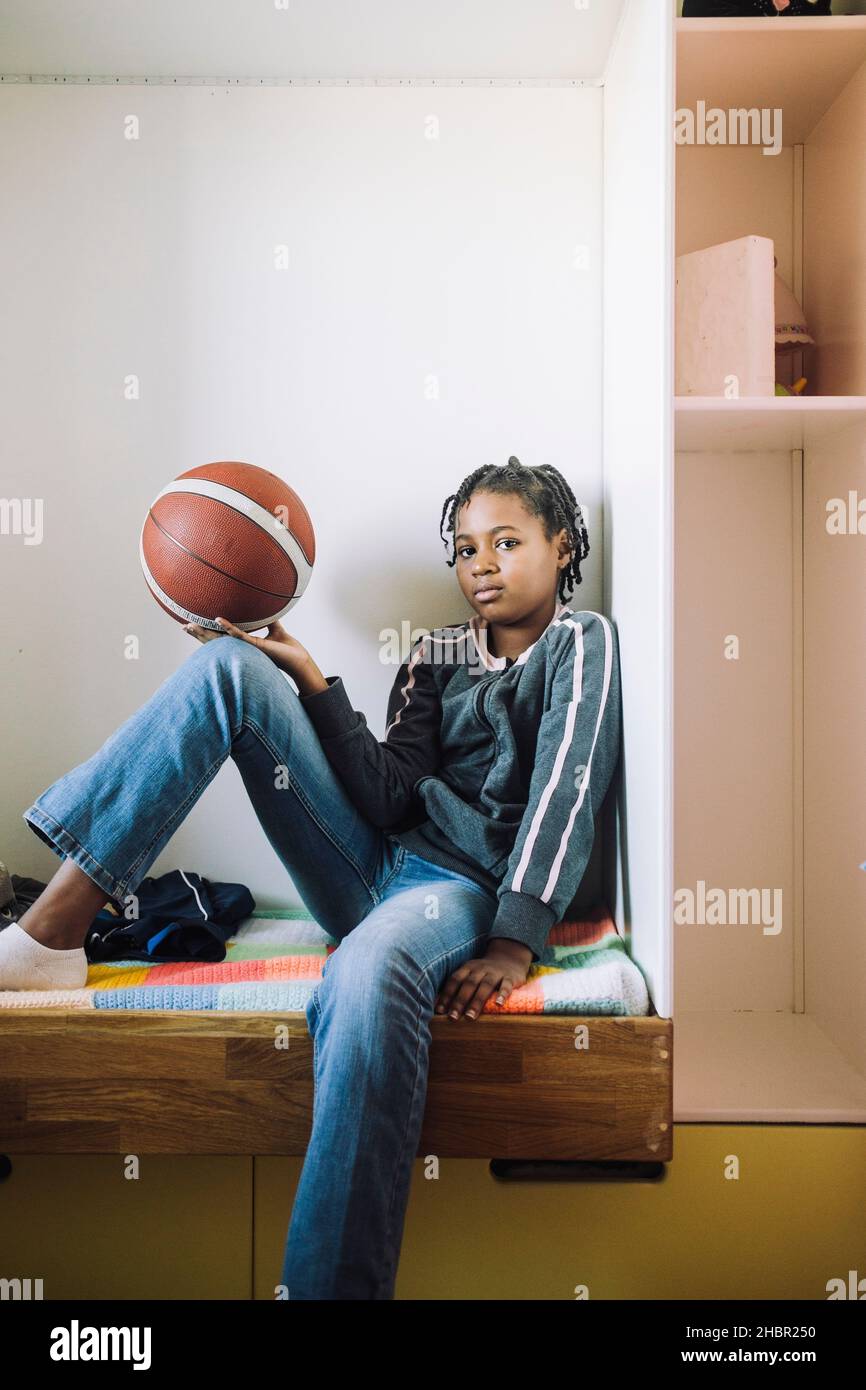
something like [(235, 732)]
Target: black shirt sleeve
[(380, 776)]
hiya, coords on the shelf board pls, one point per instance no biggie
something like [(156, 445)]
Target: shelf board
[(772, 1068), (799, 65), (713, 424)]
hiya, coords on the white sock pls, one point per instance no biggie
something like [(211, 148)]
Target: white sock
[(26, 963)]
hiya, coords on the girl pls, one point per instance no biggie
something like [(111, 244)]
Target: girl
[(439, 858)]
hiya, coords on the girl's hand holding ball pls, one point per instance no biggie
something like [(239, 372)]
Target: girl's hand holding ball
[(283, 649)]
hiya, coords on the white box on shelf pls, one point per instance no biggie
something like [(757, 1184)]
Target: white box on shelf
[(725, 319)]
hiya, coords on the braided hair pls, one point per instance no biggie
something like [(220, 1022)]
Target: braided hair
[(545, 494)]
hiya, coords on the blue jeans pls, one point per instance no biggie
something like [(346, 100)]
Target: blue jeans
[(403, 924)]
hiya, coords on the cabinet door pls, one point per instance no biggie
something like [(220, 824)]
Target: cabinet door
[(180, 1229)]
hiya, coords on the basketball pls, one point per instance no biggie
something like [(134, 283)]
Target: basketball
[(227, 540)]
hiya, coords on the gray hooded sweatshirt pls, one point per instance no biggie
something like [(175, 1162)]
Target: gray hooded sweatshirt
[(494, 767)]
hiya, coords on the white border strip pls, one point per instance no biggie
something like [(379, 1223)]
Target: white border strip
[(101, 80), (565, 744)]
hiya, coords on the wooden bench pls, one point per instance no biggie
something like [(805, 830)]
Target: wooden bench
[(168, 1082)]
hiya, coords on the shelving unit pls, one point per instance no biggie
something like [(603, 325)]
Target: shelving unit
[(769, 759)]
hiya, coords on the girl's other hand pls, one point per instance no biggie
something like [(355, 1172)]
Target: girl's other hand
[(501, 970), (284, 650)]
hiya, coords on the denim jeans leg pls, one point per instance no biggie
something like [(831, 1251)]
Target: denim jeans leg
[(371, 1027), (404, 925), (114, 813)]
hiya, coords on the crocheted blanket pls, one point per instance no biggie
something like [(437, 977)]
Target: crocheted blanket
[(275, 959)]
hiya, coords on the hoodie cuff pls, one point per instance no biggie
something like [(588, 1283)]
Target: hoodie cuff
[(330, 710), (522, 917)]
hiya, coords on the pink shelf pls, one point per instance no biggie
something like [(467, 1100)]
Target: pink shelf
[(725, 62), (710, 423)]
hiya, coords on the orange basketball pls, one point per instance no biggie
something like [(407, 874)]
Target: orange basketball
[(227, 540)]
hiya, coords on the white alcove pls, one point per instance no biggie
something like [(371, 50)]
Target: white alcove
[(532, 252)]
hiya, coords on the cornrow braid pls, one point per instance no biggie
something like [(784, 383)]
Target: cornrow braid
[(545, 494)]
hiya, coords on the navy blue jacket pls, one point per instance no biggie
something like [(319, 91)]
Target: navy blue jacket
[(491, 766), (179, 916)]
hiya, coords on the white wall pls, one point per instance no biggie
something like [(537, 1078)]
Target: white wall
[(411, 260)]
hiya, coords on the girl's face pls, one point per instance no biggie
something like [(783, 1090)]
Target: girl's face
[(506, 566)]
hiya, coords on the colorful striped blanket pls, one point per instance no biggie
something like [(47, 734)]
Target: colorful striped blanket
[(275, 959)]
